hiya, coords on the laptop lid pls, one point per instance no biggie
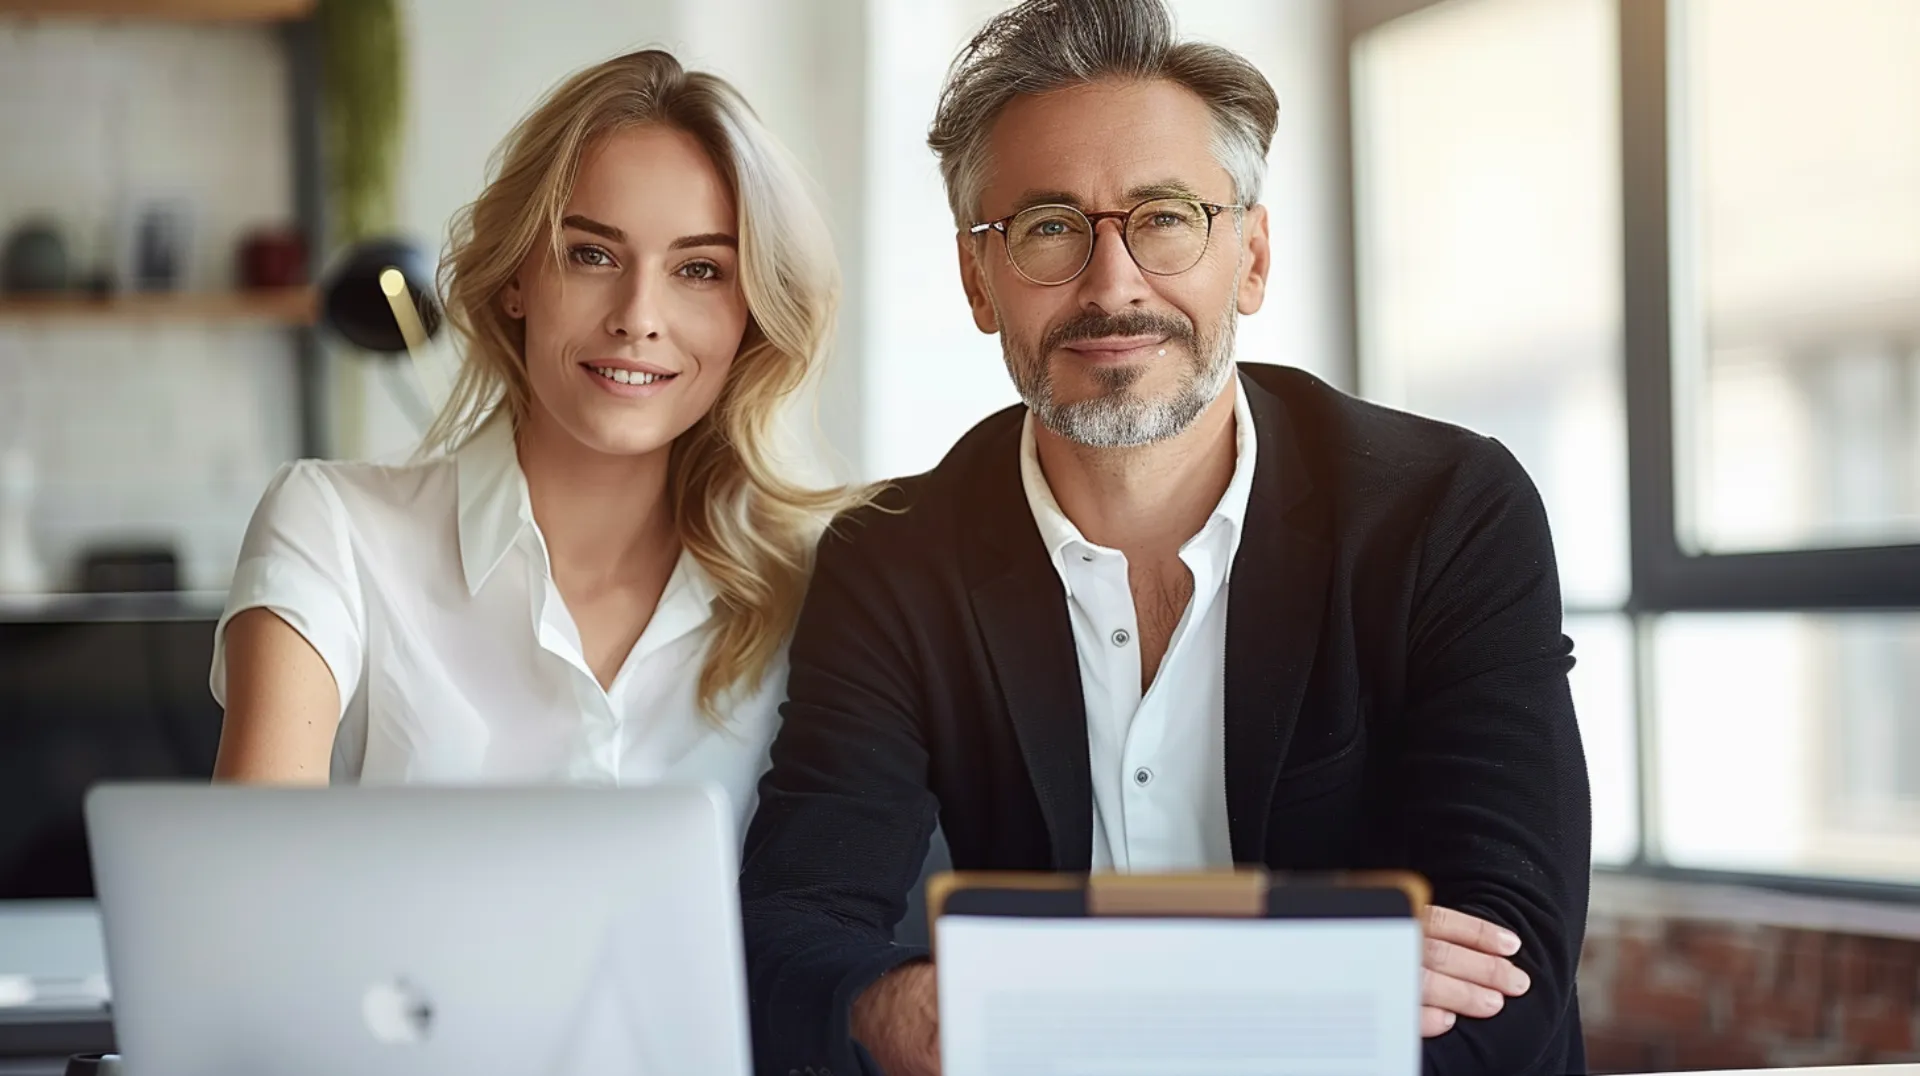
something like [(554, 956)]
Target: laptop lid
[(421, 931)]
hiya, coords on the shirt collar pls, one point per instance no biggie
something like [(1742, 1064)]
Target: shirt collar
[(1232, 508), (494, 505), (690, 578), (1057, 532), (685, 605), (496, 509)]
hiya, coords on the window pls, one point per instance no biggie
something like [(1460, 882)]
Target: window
[(1488, 277), (1668, 251), (1603, 687), (1789, 743), (1796, 339)]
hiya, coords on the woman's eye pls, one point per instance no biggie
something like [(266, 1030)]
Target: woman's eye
[(591, 256), (700, 271)]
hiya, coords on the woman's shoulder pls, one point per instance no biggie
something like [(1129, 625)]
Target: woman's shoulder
[(358, 491)]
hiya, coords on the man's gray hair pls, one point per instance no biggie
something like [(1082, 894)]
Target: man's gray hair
[(1044, 45)]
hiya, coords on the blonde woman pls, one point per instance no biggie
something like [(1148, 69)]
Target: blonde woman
[(591, 574)]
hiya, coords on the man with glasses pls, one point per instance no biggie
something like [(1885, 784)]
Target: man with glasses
[(1176, 612)]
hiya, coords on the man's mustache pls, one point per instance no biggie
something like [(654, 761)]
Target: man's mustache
[(1093, 326)]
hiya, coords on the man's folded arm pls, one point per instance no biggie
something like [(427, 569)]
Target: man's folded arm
[(1497, 815), (843, 822)]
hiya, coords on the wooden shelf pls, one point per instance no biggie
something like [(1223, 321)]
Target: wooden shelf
[(283, 306), (198, 10)]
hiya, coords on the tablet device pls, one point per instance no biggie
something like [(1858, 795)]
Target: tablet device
[(1210, 974)]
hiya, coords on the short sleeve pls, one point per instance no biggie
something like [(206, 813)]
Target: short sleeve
[(297, 560)]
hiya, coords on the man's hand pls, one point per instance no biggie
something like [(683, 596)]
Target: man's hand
[(1467, 970), (898, 1020)]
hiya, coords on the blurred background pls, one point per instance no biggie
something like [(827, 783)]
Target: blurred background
[(1668, 251)]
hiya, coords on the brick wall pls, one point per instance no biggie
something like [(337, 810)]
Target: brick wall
[(161, 431), (1665, 991)]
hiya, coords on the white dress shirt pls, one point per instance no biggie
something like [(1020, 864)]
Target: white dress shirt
[(427, 590), (1158, 761)]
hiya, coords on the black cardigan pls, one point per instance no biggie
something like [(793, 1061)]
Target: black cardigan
[(1396, 697)]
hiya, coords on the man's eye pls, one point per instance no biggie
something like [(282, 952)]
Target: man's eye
[(1051, 228)]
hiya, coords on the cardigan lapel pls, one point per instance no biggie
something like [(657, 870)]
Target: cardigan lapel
[(1276, 605), (1021, 608)]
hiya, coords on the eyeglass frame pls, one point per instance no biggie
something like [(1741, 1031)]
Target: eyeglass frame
[(1212, 210)]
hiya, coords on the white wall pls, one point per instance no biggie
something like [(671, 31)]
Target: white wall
[(1296, 44), (477, 68), (802, 71), (929, 374)]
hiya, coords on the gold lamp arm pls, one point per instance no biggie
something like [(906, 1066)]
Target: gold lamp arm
[(394, 284)]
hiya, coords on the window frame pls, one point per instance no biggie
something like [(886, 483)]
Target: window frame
[(1664, 577)]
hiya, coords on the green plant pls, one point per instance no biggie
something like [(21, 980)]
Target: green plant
[(363, 87)]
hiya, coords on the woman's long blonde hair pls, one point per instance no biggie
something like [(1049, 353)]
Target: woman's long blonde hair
[(747, 523)]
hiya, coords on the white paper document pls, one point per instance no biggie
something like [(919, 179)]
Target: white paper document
[(1178, 997)]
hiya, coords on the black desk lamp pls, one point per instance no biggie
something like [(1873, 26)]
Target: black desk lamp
[(379, 297)]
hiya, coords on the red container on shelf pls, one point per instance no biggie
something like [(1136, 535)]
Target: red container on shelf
[(273, 258)]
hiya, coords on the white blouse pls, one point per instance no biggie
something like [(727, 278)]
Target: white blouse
[(426, 589)]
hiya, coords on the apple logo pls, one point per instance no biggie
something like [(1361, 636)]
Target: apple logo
[(397, 1013)]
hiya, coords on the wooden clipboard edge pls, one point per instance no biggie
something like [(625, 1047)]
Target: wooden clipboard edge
[(1237, 894), (1198, 895)]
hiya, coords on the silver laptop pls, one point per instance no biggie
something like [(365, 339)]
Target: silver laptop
[(461, 932)]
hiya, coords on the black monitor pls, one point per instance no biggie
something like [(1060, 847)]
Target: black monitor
[(86, 698)]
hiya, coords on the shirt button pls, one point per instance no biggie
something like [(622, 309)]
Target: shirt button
[(1120, 637), (1143, 777)]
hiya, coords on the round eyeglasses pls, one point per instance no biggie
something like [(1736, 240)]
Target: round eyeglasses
[(1052, 244)]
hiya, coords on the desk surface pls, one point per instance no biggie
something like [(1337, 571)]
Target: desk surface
[(53, 1066), (1840, 1071)]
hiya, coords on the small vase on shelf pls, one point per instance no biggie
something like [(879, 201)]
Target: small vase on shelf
[(20, 569)]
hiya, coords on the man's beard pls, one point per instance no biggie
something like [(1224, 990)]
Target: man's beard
[(1115, 417)]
